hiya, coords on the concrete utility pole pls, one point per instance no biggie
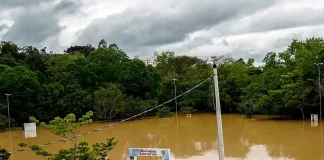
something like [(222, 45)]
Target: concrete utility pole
[(319, 88), (218, 114), (9, 120)]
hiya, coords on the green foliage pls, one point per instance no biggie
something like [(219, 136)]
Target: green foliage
[(163, 112), (57, 65), (38, 150), (4, 122), (23, 82), (133, 106), (102, 44), (69, 127), (189, 71), (108, 102), (187, 109), (9, 49), (84, 50), (48, 85), (4, 155), (145, 87), (82, 151)]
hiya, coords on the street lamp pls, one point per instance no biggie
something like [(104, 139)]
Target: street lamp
[(175, 95), (8, 108), (9, 120), (175, 99), (319, 87)]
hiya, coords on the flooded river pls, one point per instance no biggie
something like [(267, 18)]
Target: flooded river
[(195, 138)]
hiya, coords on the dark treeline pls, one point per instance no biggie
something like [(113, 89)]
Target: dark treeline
[(104, 80), (114, 86)]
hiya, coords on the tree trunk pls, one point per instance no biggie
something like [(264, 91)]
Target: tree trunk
[(302, 111), (111, 110), (74, 140), (105, 116)]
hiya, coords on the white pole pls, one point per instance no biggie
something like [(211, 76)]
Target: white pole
[(175, 95), (9, 121), (218, 116), (175, 98)]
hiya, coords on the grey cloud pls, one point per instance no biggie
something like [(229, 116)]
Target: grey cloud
[(275, 21), (133, 28), (225, 42), (3, 26), (261, 22), (271, 20), (18, 3), (32, 28), (282, 42), (68, 6), (140, 30), (279, 45)]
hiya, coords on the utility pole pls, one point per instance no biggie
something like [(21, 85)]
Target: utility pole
[(175, 95), (320, 88), (9, 120), (218, 114)]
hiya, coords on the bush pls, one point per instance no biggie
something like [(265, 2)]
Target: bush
[(4, 122), (164, 112), (4, 155), (187, 109), (69, 127)]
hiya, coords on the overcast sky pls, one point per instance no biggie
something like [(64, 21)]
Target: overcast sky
[(240, 28)]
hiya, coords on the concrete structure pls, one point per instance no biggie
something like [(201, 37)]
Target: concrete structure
[(314, 117), (149, 60), (314, 120)]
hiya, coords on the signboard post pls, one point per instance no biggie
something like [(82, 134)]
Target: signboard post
[(153, 152), (30, 130)]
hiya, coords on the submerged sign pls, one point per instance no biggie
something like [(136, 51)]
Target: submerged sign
[(156, 152), (30, 130)]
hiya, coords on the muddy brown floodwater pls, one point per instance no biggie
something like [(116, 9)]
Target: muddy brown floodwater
[(195, 138)]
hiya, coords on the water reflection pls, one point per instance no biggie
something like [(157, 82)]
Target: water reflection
[(196, 138)]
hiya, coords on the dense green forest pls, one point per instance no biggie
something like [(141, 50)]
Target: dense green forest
[(105, 80)]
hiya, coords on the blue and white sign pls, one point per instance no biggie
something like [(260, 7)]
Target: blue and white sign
[(155, 152)]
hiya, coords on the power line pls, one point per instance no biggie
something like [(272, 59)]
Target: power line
[(113, 124)]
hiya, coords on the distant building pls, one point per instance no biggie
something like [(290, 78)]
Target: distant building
[(151, 60)]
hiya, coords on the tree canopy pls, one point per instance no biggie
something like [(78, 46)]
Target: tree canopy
[(83, 78)]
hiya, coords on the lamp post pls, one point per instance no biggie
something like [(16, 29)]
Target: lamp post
[(9, 120), (175, 95), (218, 113), (8, 108), (319, 88), (175, 98)]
